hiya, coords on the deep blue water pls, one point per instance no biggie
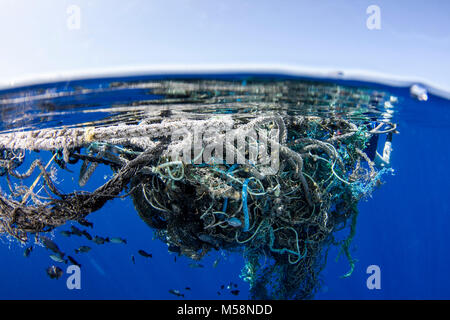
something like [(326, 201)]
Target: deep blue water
[(403, 228)]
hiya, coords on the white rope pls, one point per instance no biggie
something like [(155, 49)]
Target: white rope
[(139, 135)]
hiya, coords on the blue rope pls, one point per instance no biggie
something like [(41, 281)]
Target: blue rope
[(244, 205), (286, 250), (230, 172), (225, 203)]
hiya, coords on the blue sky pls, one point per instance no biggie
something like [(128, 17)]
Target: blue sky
[(413, 42)]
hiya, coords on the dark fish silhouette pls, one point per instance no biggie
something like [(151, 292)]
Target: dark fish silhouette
[(133, 260), (76, 231), (54, 272), (49, 244), (73, 261), (145, 254), (188, 288), (27, 252), (87, 235), (195, 265), (210, 240), (235, 292), (83, 249), (86, 223), (100, 240), (66, 233), (176, 293), (118, 240)]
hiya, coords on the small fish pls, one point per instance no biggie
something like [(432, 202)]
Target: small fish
[(195, 265), (175, 259), (118, 240), (176, 293), (234, 222), (100, 240), (187, 288), (56, 258), (235, 292), (54, 272), (27, 252), (66, 233), (133, 260), (86, 223), (73, 261), (222, 287), (87, 235), (216, 262), (218, 292), (210, 240), (49, 244), (83, 249), (235, 285), (145, 254), (76, 231)]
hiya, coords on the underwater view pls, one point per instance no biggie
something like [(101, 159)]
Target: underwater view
[(215, 158), (223, 186)]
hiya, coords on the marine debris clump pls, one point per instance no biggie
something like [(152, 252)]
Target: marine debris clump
[(293, 181), (281, 221)]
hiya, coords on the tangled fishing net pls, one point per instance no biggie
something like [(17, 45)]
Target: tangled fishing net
[(292, 181)]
